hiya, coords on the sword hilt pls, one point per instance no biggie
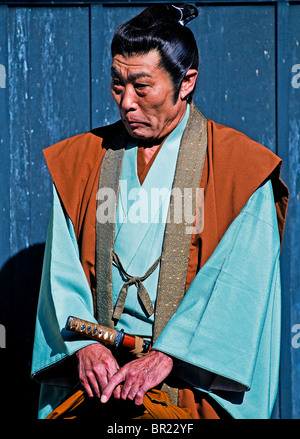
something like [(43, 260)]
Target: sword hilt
[(106, 335), (94, 331)]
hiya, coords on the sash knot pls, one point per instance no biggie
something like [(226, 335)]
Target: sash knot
[(133, 280)]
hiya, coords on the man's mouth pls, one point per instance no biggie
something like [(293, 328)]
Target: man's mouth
[(135, 123)]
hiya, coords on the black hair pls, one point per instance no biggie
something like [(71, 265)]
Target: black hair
[(162, 28)]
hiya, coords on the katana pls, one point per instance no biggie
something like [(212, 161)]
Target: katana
[(110, 336)]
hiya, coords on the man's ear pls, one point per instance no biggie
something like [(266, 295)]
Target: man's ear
[(188, 83)]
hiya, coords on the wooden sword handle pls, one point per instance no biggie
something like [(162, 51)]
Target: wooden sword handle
[(94, 331), (110, 336)]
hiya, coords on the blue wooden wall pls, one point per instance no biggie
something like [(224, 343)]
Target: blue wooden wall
[(54, 83)]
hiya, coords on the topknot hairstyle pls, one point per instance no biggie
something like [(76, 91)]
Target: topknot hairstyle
[(163, 28)]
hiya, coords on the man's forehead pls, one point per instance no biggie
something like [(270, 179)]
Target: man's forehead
[(141, 65), (131, 76)]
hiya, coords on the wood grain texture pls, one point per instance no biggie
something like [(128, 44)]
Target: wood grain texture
[(291, 280)]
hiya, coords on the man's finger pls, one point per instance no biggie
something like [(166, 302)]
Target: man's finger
[(140, 396), (102, 380), (112, 371), (117, 392), (87, 388), (131, 394), (128, 387), (112, 384), (93, 384)]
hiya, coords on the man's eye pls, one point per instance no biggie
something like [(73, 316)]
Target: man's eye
[(116, 86), (140, 86), (116, 82)]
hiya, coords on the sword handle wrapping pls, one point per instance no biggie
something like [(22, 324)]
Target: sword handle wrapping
[(110, 336), (94, 331)]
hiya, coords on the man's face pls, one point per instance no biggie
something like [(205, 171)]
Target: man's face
[(144, 94)]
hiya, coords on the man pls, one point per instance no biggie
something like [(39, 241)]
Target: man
[(209, 301)]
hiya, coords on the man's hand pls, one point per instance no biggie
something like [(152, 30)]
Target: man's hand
[(96, 366), (138, 377)]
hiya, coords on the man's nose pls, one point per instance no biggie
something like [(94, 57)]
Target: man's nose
[(128, 99)]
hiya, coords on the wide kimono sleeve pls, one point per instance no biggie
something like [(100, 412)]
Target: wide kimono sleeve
[(226, 332), (64, 291)]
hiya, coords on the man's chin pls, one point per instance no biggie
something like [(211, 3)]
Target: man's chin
[(140, 133)]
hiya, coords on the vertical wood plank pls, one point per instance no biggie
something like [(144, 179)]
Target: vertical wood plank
[(98, 53), (4, 143), (49, 100), (104, 20), (292, 171), (236, 82), (49, 70), (282, 70), (5, 267)]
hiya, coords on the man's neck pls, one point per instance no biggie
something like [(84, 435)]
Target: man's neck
[(149, 151)]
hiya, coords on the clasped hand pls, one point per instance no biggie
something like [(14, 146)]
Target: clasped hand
[(100, 375)]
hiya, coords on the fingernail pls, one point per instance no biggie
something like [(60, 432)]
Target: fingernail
[(103, 398)]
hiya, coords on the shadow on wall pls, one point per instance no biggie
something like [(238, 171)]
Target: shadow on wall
[(19, 290)]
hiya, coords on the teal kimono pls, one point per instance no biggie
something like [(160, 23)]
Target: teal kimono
[(228, 323), (224, 336)]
